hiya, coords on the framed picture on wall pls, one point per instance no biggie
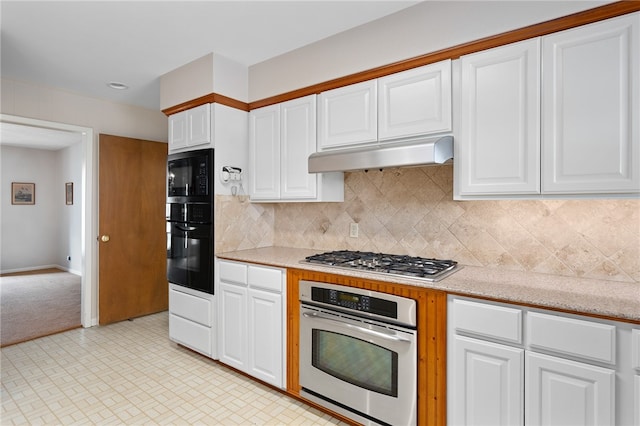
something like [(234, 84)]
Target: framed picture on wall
[(68, 193), (23, 193)]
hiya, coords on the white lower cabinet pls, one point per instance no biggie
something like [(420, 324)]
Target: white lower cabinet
[(265, 336), (563, 392), (488, 387), (191, 319), (511, 365), (232, 345), (252, 320)]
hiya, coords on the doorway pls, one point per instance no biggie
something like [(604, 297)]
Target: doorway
[(88, 187)]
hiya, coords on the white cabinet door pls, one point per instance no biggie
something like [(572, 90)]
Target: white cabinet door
[(199, 125), (264, 153), (487, 387), (498, 151), (562, 392), (298, 141), (232, 345), (415, 102), (190, 128), (591, 105), (177, 131), (348, 115), (191, 323), (636, 408), (265, 336)]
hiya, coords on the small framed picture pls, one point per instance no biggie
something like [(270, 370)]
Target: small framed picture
[(68, 193), (23, 193)]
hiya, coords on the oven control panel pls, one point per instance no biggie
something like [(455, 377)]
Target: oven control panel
[(353, 301), (368, 303)]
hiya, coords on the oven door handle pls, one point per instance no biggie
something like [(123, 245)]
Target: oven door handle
[(386, 334), (186, 228)]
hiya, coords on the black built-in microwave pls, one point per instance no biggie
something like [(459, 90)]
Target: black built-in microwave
[(190, 177)]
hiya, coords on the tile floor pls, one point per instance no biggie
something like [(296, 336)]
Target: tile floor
[(129, 373)]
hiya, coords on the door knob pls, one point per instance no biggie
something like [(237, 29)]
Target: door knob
[(104, 238)]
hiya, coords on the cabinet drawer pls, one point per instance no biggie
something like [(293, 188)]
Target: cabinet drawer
[(265, 278), (574, 337), (635, 349), (190, 307), (487, 320), (190, 334), (233, 272)]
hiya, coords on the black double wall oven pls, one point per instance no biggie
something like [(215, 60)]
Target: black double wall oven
[(190, 228)]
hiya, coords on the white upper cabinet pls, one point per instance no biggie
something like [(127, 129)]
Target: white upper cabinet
[(556, 115), (415, 102), (190, 128), (591, 108), (403, 105), (348, 115), (281, 138), (499, 146), (264, 153), (297, 141)]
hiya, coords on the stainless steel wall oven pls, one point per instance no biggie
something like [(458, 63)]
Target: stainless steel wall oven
[(358, 353)]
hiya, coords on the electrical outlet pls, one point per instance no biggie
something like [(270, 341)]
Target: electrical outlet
[(353, 230)]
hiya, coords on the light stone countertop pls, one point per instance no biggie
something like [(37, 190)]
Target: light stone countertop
[(596, 297)]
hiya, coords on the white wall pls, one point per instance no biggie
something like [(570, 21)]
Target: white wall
[(44, 234), (417, 30), (69, 162), (46, 103)]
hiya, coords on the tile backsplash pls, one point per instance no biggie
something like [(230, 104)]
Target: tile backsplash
[(411, 211)]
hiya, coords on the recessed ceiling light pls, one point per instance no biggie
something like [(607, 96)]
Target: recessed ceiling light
[(117, 86)]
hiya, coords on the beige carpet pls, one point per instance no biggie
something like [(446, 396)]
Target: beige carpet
[(38, 305)]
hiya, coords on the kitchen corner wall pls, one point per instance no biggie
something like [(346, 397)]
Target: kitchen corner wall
[(412, 211)]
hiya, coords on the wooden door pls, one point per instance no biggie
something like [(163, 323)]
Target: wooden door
[(132, 249)]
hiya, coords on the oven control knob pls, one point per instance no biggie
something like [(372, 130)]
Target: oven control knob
[(104, 238)]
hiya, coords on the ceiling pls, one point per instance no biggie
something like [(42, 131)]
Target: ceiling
[(80, 46)]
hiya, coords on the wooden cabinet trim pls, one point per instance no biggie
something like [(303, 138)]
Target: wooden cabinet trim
[(559, 24), (207, 99), (454, 52)]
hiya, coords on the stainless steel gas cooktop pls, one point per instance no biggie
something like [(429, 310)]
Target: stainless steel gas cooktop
[(392, 264)]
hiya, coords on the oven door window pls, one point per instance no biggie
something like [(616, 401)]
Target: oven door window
[(189, 256), (356, 361)]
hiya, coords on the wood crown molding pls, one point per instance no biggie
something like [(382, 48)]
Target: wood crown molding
[(536, 30), (207, 99)]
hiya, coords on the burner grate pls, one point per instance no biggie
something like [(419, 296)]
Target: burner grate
[(411, 266)]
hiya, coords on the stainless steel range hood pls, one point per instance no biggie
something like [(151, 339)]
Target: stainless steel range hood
[(409, 153)]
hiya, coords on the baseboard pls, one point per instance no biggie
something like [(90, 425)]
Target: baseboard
[(30, 268), (38, 268)]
